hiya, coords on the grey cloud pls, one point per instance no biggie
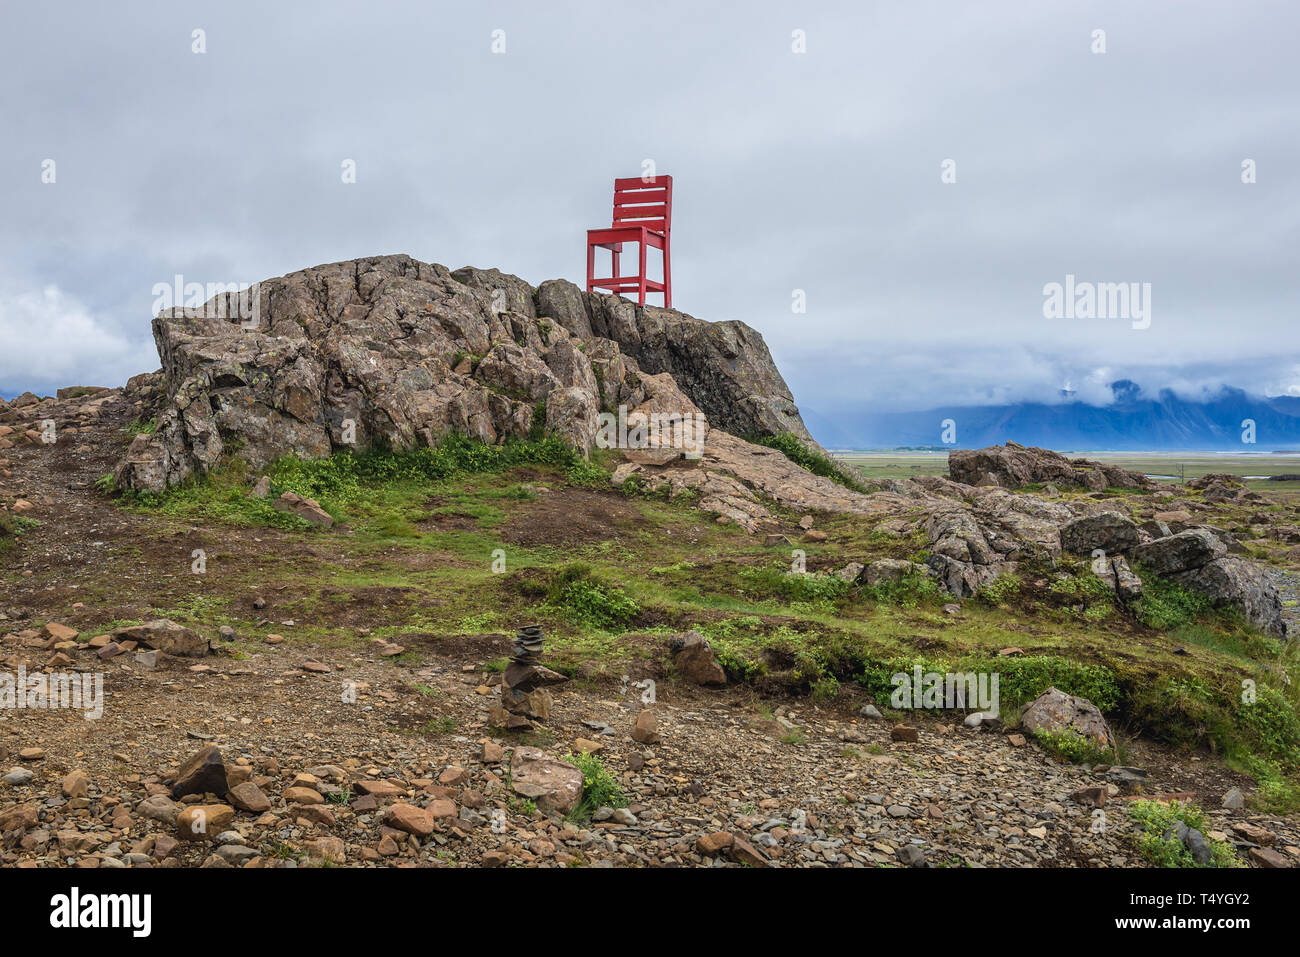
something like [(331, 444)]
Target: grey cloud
[(817, 172)]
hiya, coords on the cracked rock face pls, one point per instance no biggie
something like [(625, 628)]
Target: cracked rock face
[(398, 353)]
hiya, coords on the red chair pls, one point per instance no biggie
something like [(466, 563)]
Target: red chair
[(643, 214)]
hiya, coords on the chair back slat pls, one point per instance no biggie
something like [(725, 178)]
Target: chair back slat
[(639, 212), (644, 202), (622, 196), (640, 182)]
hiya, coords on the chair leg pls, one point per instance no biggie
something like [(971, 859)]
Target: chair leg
[(668, 275), (591, 265), (642, 273), (615, 252)]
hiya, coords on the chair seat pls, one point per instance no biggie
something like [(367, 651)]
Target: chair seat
[(610, 235)]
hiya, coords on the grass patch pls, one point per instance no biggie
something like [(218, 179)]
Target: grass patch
[(1020, 679), (575, 593), (379, 488), (12, 526), (1071, 746), (437, 726), (1166, 605), (779, 584), (1158, 841), (600, 788)]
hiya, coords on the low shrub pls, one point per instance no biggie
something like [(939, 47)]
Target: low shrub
[(1161, 846)]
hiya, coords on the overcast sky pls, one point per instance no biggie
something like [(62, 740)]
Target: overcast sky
[(817, 171)]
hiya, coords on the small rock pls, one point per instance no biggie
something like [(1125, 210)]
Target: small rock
[(646, 730), (411, 819), (203, 821), (909, 855), (904, 733), (247, 796), (76, 784), (711, 844), (203, 773), (1267, 857)]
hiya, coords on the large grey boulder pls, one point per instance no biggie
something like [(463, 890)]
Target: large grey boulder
[(1240, 584), (1055, 712), (964, 579), (1179, 553), (891, 571), (166, 636), (1109, 531), (957, 535), (1115, 572)]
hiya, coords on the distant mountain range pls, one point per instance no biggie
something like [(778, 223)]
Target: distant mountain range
[(1133, 422)]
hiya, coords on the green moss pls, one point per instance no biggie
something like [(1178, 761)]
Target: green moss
[(910, 591), (347, 484), (778, 583), (1001, 591), (1020, 679)]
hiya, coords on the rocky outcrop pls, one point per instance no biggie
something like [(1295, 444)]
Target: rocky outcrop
[(725, 367), (397, 353), (733, 477), (1222, 487), (394, 353), (1015, 466)]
